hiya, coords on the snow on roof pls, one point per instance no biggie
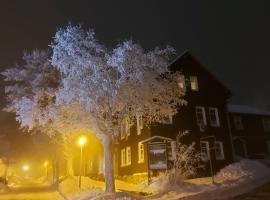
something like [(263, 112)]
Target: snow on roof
[(246, 110)]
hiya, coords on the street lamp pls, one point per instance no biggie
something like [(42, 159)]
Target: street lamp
[(81, 142), (46, 165), (25, 168)]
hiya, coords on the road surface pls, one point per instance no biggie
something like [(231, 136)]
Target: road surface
[(261, 193), (30, 191)]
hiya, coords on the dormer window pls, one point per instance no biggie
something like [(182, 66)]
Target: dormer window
[(194, 83)]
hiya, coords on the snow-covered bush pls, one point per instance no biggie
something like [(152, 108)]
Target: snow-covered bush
[(186, 161)]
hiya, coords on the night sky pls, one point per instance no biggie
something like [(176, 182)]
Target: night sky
[(231, 38)]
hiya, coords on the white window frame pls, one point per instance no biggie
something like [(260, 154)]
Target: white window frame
[(219, 144), (217, 122), (123, 157), (140, 152), (203, 113), (207, 155), (238, 118), (139, 119), (266, 124), (194, 79), (128, 156)]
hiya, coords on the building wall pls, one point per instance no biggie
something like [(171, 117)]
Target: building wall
[(252, 140), (211, 93)]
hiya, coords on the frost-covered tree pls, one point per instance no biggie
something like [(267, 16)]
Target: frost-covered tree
[(106, 87), (31, 88)]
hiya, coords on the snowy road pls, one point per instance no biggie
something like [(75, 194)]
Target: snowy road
[(31, 193), (27, 189), (261, 193)]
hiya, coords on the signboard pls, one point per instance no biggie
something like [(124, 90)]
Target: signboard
[(157, 156)]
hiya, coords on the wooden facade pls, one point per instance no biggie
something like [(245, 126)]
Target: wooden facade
[(250, 128), (205, 115)]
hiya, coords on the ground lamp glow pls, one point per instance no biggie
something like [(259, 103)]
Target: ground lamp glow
[(81, 143)]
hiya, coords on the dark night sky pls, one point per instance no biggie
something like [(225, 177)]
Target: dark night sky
[(231, 38)]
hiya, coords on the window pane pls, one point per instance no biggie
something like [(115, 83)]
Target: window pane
[(238, 122), (194, 83), (214, 118), (200, 115), (140, 152), (219, 151)]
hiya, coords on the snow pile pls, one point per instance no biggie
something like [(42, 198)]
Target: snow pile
[(243, 169), (233, 180), (70, 187)]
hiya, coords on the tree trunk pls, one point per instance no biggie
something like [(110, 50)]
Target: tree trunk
[(108, 161)]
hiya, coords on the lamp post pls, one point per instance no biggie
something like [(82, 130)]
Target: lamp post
[(81, 143)]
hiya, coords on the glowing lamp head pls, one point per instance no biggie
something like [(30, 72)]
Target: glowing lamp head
[(46, 164), (25, 167), (82, 141)]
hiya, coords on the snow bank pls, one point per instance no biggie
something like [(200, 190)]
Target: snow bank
[(233, 180), (243, 169)]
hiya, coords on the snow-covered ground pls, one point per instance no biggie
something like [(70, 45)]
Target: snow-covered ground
[(233, 180)]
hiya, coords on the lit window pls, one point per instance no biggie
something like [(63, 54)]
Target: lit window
[(140, 152), (139, 123), (194, 83), (238, 122), (266, 124), (205, 151), (128, 156), (123, 157), (214, 118), (219, 151), (181, 82), (200, 115)]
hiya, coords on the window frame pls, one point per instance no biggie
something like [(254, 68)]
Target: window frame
[(217, 124), (128, 155), (222, 156), (203, 114), (207, 150), (182, 82), (266, 124), (139, 120), (140, 154), (238, 118), (123, 157), (194, 79)]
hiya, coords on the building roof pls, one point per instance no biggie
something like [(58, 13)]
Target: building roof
[(188, 54), (244, 109)]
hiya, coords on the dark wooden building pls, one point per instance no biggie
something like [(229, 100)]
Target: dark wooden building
[(205, 117), (250, 128)]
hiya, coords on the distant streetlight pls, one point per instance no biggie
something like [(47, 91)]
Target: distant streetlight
[(25, 168), (81, 142), (46, 165)]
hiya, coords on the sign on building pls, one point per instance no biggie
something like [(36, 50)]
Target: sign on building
[(157, 156)]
